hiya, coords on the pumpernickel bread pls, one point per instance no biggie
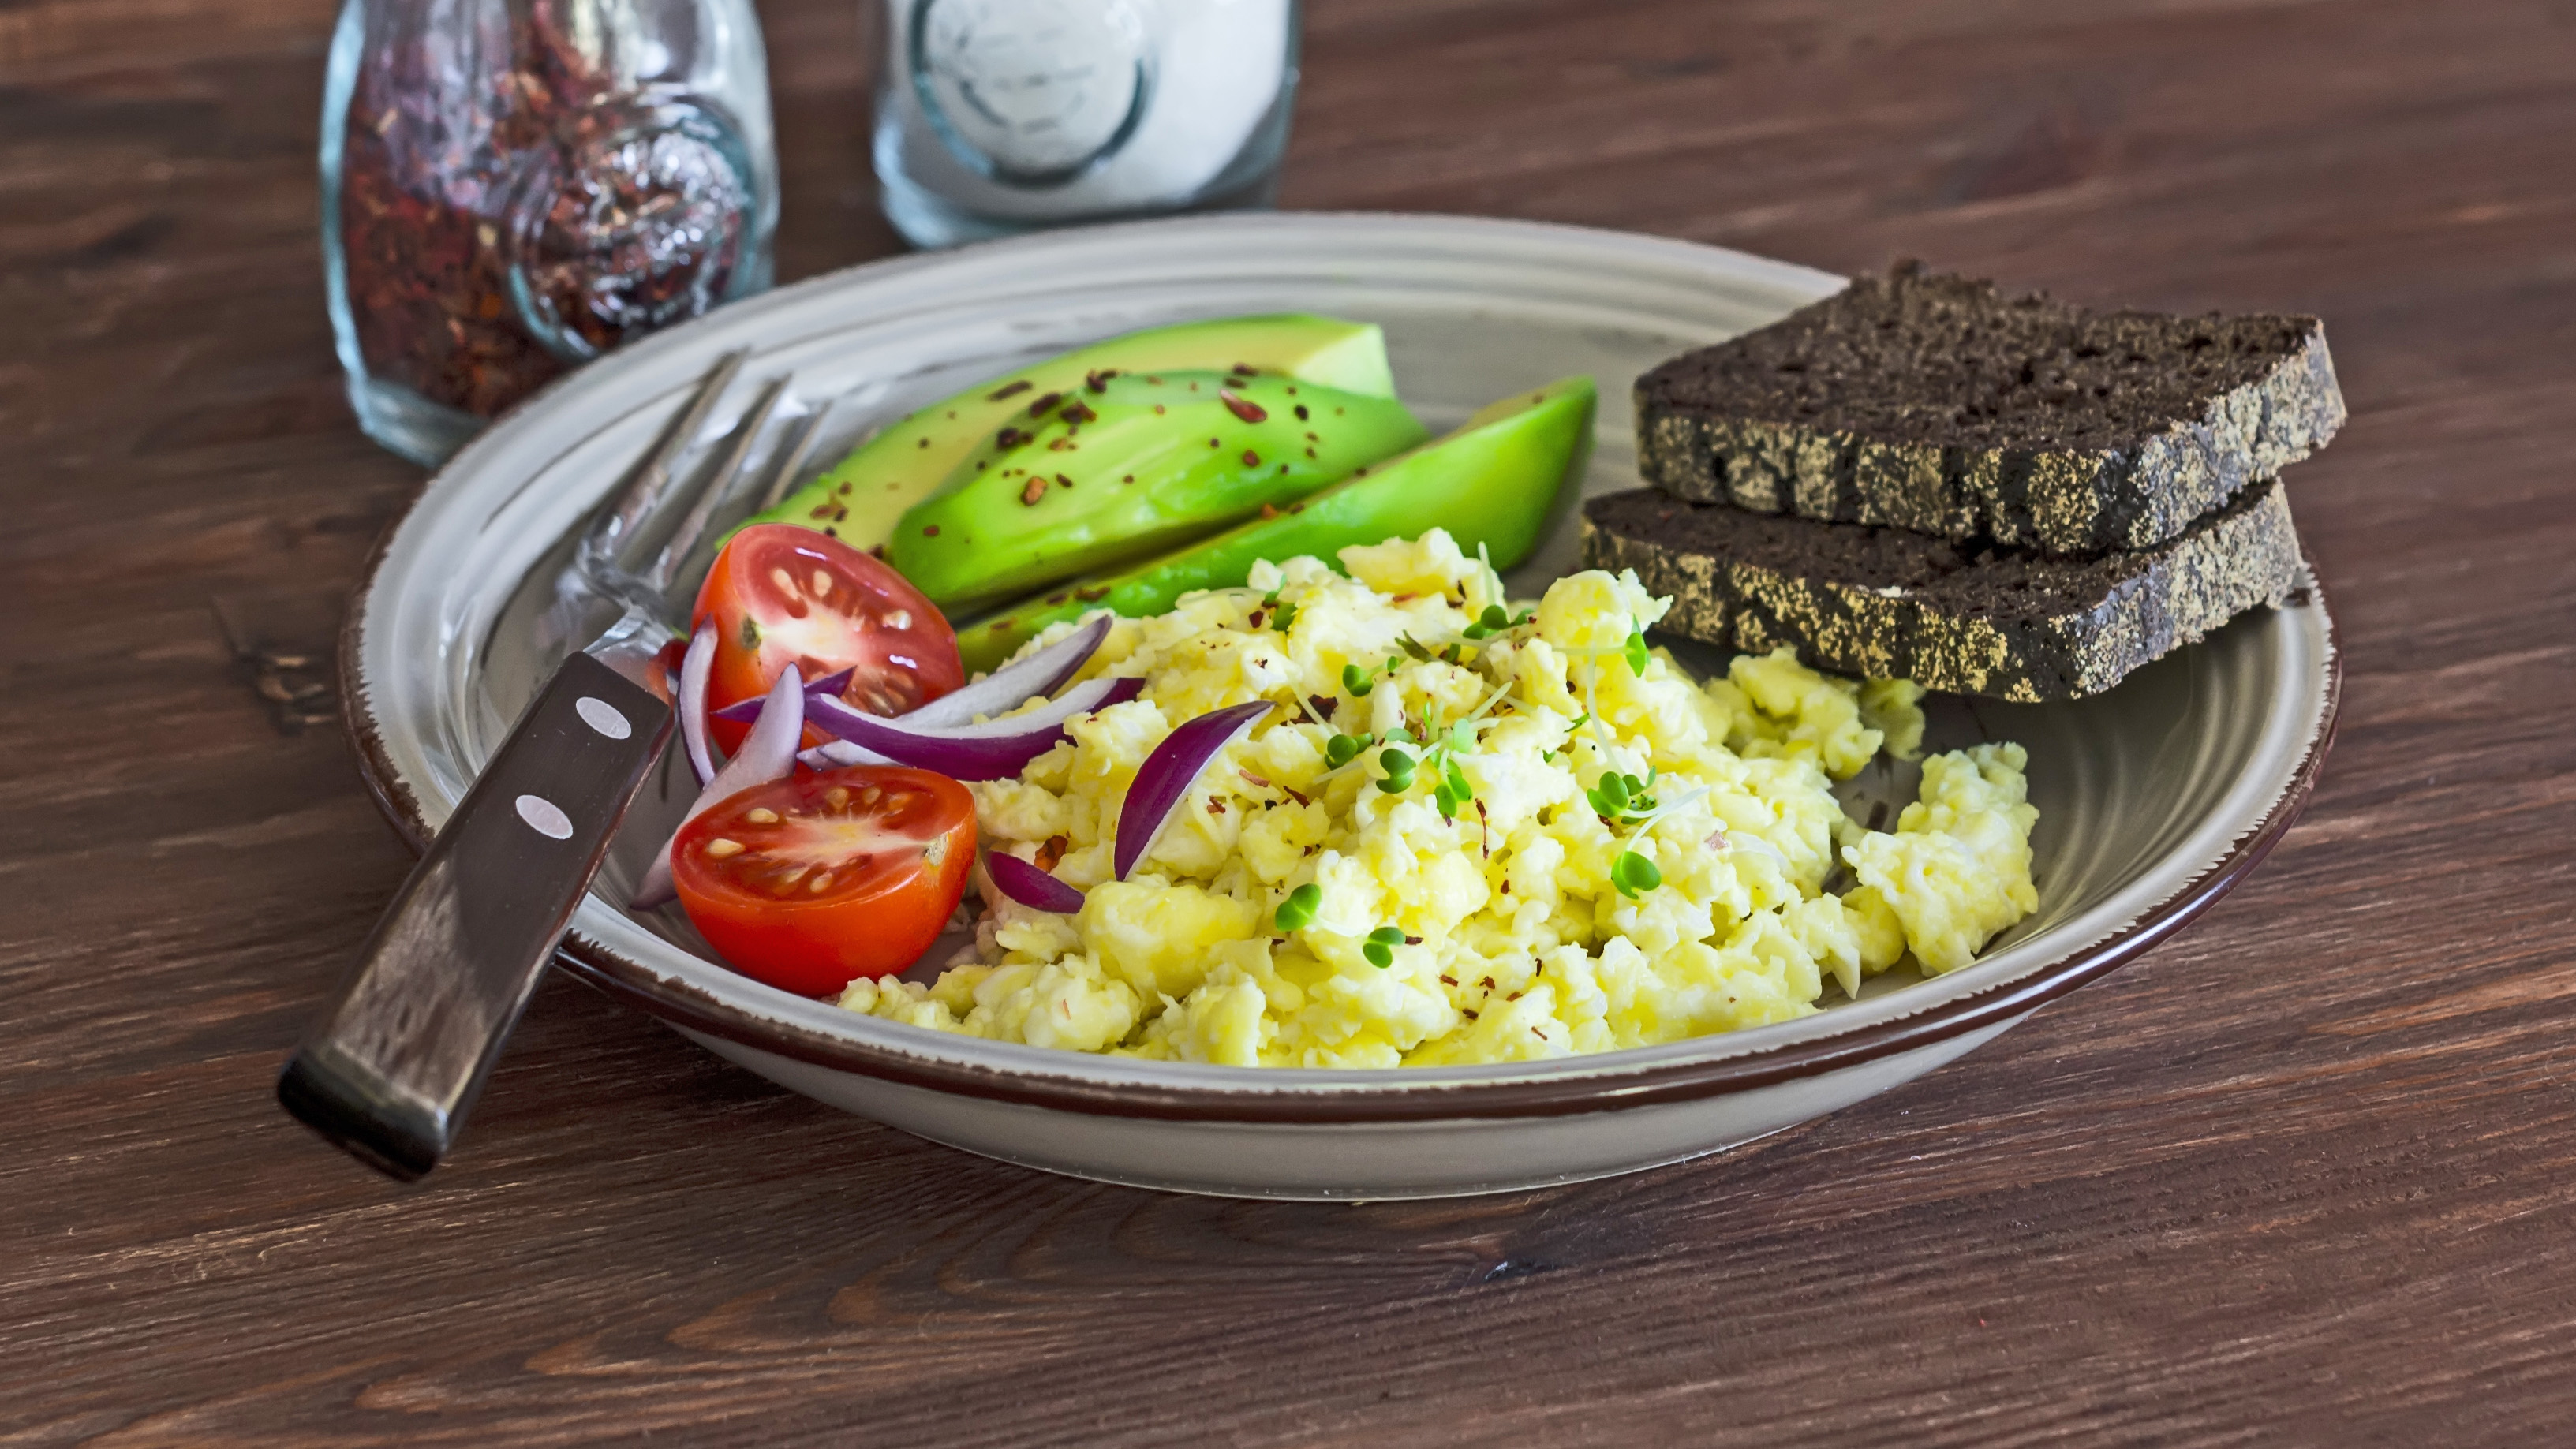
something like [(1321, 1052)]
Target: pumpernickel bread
[(1885, 603), (1940, 405)]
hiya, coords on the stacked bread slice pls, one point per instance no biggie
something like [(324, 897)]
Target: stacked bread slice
[(1921, 477)]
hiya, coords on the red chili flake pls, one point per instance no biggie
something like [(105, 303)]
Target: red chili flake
[(1008, 390), (1045, 401), (1323, 703), (1242, 407), (930, 530), (823, 512), (1215, 806), (1009, 438), (609, 237), (1251, 459), (1542, 1036), (1255, 779), (1257, 615), (1099, 381), (1051, 852), (1077, 412), (1448, 980), (1468, 1013), (1035, 491)]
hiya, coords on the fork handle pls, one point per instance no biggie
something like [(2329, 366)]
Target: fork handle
[(390, 1068)]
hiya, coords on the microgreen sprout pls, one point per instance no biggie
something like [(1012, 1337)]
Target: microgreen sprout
[(1494, 620), (1358, 682), (1622, 799), (1452, 791), (1399, 770), (1298, 911), (1282, 614), (1634, 651), (1633, 874), (1380, 949), (1340, 750)]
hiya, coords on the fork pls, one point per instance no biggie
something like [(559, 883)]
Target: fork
[(393, 1063)]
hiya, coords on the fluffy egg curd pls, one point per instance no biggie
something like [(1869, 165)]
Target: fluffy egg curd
[(1468, 831)]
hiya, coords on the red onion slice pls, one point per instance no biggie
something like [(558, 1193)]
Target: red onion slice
[(839, 754), (768, 753), (694, 672), (1030, 886), (1167, 774), (994, 750), (1017, 683), (1005, 688)]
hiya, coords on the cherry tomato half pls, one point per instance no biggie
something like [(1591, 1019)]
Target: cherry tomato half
[(782, 595), (810, 882)]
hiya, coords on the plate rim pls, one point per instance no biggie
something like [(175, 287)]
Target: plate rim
[(1269, 1095)]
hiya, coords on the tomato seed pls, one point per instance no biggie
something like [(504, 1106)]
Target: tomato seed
[(899, 619), (722, 849), (761, 815), (819, 883), (822, 583), (786, 585), (836, 797)]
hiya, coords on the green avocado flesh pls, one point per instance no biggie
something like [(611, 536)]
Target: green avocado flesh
[(1495, 481), (859, 500), (1128, 466)]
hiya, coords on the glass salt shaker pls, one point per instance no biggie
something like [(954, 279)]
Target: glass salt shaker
[(996, 117), (513, 187)]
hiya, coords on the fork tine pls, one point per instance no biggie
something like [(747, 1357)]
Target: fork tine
[(791, 459), (746, 437), (651, 475)]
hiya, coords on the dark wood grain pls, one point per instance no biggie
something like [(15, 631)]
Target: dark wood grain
[(2300, 1176)]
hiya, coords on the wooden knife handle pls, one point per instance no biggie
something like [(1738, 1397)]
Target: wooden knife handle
[(394, 1062)]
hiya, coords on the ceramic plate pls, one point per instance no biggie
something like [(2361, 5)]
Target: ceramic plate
[(2153, 799)]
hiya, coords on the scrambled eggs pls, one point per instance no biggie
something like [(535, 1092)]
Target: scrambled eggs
[(1504, 922)]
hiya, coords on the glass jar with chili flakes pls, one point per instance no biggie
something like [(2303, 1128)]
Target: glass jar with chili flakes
[(512, 187)]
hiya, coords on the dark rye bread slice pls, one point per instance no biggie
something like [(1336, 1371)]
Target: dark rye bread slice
[(1938, 404), (1884, 603)]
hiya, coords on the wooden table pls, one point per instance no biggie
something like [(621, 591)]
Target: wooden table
[(2299, 1176)]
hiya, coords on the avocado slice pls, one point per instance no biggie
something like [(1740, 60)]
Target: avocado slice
[(860, 498), (1126, 467), (1495, 481)]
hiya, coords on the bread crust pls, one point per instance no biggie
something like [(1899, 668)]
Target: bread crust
[(2133, 482), (1831, 591)]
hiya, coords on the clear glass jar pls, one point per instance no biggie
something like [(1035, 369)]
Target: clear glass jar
[(512, 187), (996, 117)]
